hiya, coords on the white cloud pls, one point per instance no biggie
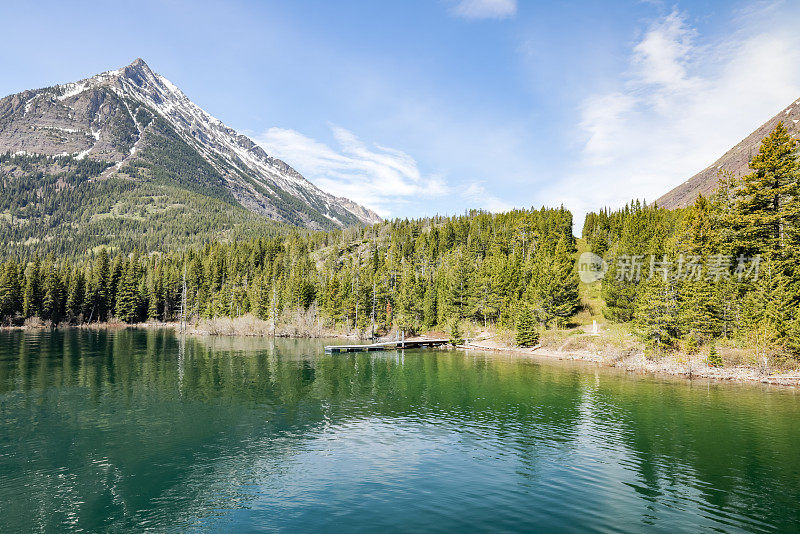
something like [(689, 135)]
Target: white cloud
[(477, 196), (679, 106), (376, 177), (485, 9), (663, 55)]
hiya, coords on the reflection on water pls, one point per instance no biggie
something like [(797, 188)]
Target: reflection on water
[(137, 430)]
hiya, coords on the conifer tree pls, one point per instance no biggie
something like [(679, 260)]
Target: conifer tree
[(699, 311), (429, 306), (116, 273), (32, 297), (768, 201), (527, 334), (456, 336), (152, 295), (52, 294), (76, 294), (793, 333), (127, 301), (765, 310), (10, 291), (101, 287), (261, 298), (714, 359), (554, 285), (656, 313)]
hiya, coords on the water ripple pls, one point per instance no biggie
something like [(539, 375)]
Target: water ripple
[(136, 431)]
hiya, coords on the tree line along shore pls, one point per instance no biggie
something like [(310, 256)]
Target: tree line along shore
[(719, 276)]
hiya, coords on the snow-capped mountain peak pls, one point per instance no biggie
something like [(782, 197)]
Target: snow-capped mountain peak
[(126, 116)]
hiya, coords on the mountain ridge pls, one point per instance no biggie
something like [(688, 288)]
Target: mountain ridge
[(129, 116), (736, 160)]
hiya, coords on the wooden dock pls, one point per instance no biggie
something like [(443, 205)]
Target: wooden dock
[(388, 345)]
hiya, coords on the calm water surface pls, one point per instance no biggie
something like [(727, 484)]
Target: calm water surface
[(137, 430)]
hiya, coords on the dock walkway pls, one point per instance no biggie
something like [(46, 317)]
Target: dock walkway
[(388, 345)]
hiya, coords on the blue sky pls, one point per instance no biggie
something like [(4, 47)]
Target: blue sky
[(422, 107)]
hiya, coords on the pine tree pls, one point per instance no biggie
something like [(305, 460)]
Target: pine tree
[(127, 301), (153, 297), (76, 294), (699, 311), (766, 307), (429, 306), (52, 294), (618, 290), (456, 336), (116, 273), (409, 300), (793, 333), (714, 359), (527, 334), (10, 291), (768, 201), (554, 285), (100, 293), (261, 298), (656, 313), (32, 297)]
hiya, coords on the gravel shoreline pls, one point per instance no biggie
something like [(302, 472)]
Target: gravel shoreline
[(678, 365)]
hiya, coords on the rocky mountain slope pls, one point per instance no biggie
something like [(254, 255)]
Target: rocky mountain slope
[(735, 160), (142, 130)]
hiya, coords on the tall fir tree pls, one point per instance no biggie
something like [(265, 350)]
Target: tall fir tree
[(32, 296), (527, 333), (127, 300), (10, 291), (768, 200), (656, 312)]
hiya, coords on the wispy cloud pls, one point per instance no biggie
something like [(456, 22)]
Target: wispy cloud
[(663, 56), (375, 176), (485, 9), (477, 196), (679, 106)]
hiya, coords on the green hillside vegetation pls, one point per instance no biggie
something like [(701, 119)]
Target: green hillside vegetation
[(63, 206), (725, 268), (756, 303)]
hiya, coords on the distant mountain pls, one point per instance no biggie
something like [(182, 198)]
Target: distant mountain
[(735, 160), (125, 152)]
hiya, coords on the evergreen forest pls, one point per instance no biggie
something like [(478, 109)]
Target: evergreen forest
[(724, 267)]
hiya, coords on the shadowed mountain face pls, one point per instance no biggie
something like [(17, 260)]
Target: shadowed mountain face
[(735, 160), (139, 127)]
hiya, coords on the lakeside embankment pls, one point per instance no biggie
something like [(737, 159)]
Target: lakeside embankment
[(674, 364), (612, 347)]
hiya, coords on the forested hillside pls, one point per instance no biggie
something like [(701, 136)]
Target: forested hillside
[(727, 266), (491, 269), (61, 205)]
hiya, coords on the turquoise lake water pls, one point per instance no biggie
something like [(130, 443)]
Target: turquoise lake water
[(140, 430)]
